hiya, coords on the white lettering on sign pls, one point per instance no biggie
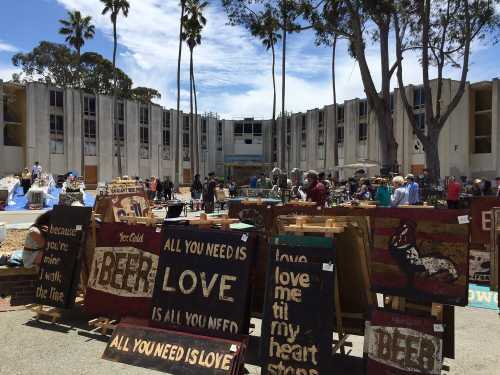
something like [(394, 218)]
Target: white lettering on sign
[(123, 271), (132, 237), (486, 220), (404, 349)]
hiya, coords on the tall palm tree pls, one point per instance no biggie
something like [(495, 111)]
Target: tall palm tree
[(193, 21), (114, 7), (77, 29), (178, 126)]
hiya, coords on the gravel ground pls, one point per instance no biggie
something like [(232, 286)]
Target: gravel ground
[(14, 240), (30, 347)]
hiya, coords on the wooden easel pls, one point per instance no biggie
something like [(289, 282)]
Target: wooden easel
[(146, 220), (206, 221), (402, 305), (41, 310), (494, 233), (104, 324)]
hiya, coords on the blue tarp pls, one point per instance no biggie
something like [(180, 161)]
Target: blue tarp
[(21, 200)]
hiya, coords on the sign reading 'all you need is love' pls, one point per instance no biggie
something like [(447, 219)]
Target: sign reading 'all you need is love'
[(202, 281)]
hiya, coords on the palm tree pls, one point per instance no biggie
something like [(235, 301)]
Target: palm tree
[(266, 28), (114, 7), (77, 29), (178, 126), (193, 22)]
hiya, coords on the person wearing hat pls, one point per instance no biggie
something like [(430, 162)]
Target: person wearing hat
[(413, 190), (315, 190)]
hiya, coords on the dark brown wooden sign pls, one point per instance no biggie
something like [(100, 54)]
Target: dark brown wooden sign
[(202, 282), (298, 319), (173, 352), (480, 210), (397, 343), (59, 269)]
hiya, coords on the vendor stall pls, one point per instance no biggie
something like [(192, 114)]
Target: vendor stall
[(40, 191), (8, 188)]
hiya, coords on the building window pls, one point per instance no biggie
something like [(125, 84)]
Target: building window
[(144, 132), (204, 141), (482, 121), (321, 136), (363, 108), (219, 136), (420, 121), (303, 138), (90, 148), (89, 106), (363, 132), (166, 135), (340, 135), (56, 134), (238, 129), (56, 98), (418, 98), (185, 139), (119, 128), (340, 114)]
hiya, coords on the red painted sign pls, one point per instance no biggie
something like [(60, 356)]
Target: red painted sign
[(123, 272), (480, 209)]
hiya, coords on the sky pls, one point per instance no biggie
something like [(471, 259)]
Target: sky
[(232, 69)]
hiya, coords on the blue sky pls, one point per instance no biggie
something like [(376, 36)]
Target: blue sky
[(233, 71)]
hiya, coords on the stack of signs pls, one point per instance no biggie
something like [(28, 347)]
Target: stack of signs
[(398, 344), (59, 269), (202, 282), (422, 255), (173, 352), (123, 272), (298, 311)]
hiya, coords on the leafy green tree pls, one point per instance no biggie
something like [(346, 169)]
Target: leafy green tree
[(115, 7), (145, 94)]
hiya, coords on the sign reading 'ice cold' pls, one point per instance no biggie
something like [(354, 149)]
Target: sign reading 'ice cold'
[(297, 326), (59, 269), (202, 281), (173, 352)]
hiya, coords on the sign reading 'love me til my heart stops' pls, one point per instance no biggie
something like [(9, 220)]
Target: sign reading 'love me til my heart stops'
[(202, 281)]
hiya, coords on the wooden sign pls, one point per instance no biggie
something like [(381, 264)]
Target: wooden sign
[(202, 282), (59, 270), (480, 210), (397, 343), (300, 249), (479, 267), (298, 319), (173, 352), (421, 254), (123, 271), (132, 204)]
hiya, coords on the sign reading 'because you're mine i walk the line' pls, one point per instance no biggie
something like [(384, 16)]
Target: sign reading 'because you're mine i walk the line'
[(173, 352), (202, 282), (123, 272), (59, 269), (298, 319)]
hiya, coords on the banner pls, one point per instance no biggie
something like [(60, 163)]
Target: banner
[(173, 352), (483, 297), (123, 272), (202, 283), (397, 343), (59, 270), (422, 254)]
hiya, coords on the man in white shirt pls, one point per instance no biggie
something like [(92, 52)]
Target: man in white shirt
[(36, 171)]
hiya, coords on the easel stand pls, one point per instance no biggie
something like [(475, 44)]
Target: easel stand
[(45, 311), (104, 324), (207, 221)]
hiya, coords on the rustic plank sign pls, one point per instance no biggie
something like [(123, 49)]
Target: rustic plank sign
[(421, 254), (480, 209), (202, 282), (123, 272), (173, 352), (298, 319), (59, 270), (397, 343), (131, 204)]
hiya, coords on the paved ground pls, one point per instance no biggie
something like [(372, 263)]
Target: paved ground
[(30, 347)]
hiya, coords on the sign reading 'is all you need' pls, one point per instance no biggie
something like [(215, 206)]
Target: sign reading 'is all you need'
[(202, 281), (59, 271)]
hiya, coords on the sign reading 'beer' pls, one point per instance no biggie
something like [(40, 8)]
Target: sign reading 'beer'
[(398, 343), (297, 326), (202, 281), (173, 352), (59, 270), (123, 272)]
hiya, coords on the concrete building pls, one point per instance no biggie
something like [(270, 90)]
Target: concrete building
[(42, 123)]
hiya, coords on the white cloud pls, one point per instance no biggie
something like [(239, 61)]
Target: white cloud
[(6, 47), (6, 72), (232, 69)]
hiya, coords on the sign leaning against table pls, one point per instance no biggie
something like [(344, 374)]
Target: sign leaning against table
[(202, 282), (123, 271), (59, 270), (421, 254)]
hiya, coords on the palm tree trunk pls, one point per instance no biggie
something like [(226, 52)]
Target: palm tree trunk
[(196, 143), (283, 75), (115, 127), (177, 125), (274, 85), (334, 89), (191, 140), (82, 119)]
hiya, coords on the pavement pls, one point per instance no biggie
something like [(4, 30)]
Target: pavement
[(68, 347)]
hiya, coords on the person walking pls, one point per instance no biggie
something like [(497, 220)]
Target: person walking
[(168, 186), (209, 195), (453, 193), (196, 191)]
